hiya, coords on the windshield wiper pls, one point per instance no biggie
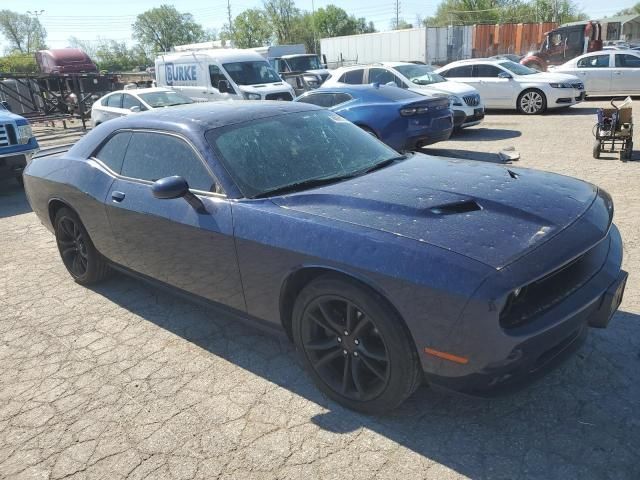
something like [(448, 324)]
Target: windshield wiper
[(318, 182), (304, 185)]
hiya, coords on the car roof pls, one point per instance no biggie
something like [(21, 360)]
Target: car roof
[(483, 61), (208, 115)]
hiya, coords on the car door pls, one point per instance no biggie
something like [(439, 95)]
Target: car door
[(169, 240), (595, 72), (384, 77), (131, 104), (494, 90), (112, 107), (625, 78)]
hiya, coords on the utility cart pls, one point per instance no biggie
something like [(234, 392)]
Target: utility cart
[(614, 130)]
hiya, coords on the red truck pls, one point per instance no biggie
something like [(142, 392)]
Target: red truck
[(564, 43), (65, 60)]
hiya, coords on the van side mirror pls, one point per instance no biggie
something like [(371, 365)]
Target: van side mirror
[(224, 87), (6, 105), (505, 75), (176, 187)]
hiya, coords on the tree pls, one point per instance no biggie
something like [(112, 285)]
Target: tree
[(24, 33), (162, 28), (630, 11), (251, 29), (283, 16), (401, 25)]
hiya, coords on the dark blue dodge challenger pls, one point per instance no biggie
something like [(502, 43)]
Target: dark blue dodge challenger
[(383, 269)]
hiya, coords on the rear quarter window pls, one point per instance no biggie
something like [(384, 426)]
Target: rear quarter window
[(353, 77), (458, 72)]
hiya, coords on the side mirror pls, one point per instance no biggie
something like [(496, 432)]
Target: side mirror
[(224, 87), (135, 109), (6, 105), (505, 75), (176, 187), (391, 84), (170, 187)]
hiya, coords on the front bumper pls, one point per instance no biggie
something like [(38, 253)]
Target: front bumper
[(14, 159), (563, 97), (500, 358), (467, 116)]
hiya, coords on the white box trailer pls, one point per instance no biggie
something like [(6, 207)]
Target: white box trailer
[(398, 46), (430, 45)]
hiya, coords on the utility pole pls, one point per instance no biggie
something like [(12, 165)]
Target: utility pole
[(397, 13), (313, 25), (229, 19), (36, 14)]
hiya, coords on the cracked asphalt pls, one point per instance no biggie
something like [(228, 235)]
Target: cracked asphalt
[(127, 381)]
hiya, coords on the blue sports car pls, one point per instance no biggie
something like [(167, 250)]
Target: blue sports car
[(384, 269), (402, 119)]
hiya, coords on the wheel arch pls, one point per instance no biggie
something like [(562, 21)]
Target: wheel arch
[(55, 204), (305, 274)]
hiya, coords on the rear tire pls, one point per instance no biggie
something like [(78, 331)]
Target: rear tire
[(354, 346), (80, 257), (532, 102)]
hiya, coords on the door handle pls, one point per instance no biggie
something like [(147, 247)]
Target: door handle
[(618, 73), (117, 196)]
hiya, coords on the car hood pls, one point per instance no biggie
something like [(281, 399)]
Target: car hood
[(455, 88), (547, 77), (7, 116), (493, 214)]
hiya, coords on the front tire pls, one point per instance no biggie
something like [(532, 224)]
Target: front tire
[(355, 347), (80, 257), (597, 145), (532, 102)]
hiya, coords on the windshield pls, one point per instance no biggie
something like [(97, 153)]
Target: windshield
[(517, 68), (420, 74), (164, 99), (251, 73), (301, 64), (273, 153)]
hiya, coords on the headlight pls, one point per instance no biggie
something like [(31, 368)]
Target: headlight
[(561, 85), (252, 96), (24, 133), (457, 101)]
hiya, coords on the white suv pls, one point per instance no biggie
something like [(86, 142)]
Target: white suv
[(508, 85), (466, 103)]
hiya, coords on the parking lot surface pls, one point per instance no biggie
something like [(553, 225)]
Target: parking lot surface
[(127, 381)]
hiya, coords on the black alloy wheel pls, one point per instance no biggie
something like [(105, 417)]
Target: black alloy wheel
[(345, 348), (77, 251), (354, 345)]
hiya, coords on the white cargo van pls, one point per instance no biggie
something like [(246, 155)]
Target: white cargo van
[(221, 74)]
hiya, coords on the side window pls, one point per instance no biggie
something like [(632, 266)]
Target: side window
[(112, 152), (339, 98), (458, 72), (216, 75), (353, 77), (486, 71), (320, 99), (114, 100), (594, 61), (152, 156), (575, 38), (383, 76), (627, 61), (129, 101)]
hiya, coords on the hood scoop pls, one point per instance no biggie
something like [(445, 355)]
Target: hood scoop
[(456, 208)]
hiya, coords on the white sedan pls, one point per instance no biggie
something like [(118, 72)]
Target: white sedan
[(610, 72), (123, 102), (504, 84)]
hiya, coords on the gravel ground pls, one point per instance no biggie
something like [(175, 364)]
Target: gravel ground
[(125, 381)]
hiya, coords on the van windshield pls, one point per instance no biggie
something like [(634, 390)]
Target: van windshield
[(251, 73)]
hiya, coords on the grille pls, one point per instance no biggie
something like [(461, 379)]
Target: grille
[(472, 100), (279, 96), (546, 292), (4, 136), (579, 85)]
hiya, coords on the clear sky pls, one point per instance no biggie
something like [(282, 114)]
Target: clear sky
[(112, 19)]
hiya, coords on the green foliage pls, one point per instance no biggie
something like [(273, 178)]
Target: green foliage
[(162, 28), (24, 33), (251, 29), (114, 56), (283, 16), (469, 12), (18, 62)]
